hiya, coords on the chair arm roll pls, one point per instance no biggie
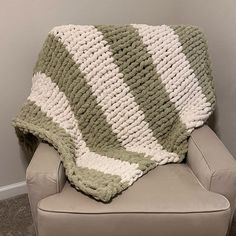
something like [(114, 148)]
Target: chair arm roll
[(45, 176), (212, 163)]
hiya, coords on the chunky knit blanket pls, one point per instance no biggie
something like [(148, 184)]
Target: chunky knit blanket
[(117, 101)]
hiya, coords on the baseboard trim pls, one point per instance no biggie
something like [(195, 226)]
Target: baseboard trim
[(12, 190)]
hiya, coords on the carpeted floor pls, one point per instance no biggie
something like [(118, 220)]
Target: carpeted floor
[(15, 217), (16, 220)]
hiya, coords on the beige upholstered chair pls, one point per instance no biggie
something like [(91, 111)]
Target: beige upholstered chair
[(195, 198)]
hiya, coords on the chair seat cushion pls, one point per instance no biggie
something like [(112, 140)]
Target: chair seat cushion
[(167, 201)]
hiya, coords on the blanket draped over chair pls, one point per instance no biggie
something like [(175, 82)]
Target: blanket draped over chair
[(117, 100)]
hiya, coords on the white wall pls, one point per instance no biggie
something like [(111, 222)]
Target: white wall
[(24, 26)]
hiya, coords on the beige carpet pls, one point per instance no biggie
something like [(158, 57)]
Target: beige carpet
[(16, 220)]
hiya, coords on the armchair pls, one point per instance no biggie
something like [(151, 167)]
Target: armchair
[(192, 198)]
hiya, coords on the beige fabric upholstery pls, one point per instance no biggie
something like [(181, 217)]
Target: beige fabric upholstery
[(170, 200), (202, 224), (212, 163), (167, 201), (44, 176)]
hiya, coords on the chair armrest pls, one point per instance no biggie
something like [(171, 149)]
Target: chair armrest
[(212, 163), (44, 176)]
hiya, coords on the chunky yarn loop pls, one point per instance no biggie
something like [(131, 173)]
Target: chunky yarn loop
[(117, 101)]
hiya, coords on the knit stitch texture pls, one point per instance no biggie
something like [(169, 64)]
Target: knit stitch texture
[(117, 101)]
